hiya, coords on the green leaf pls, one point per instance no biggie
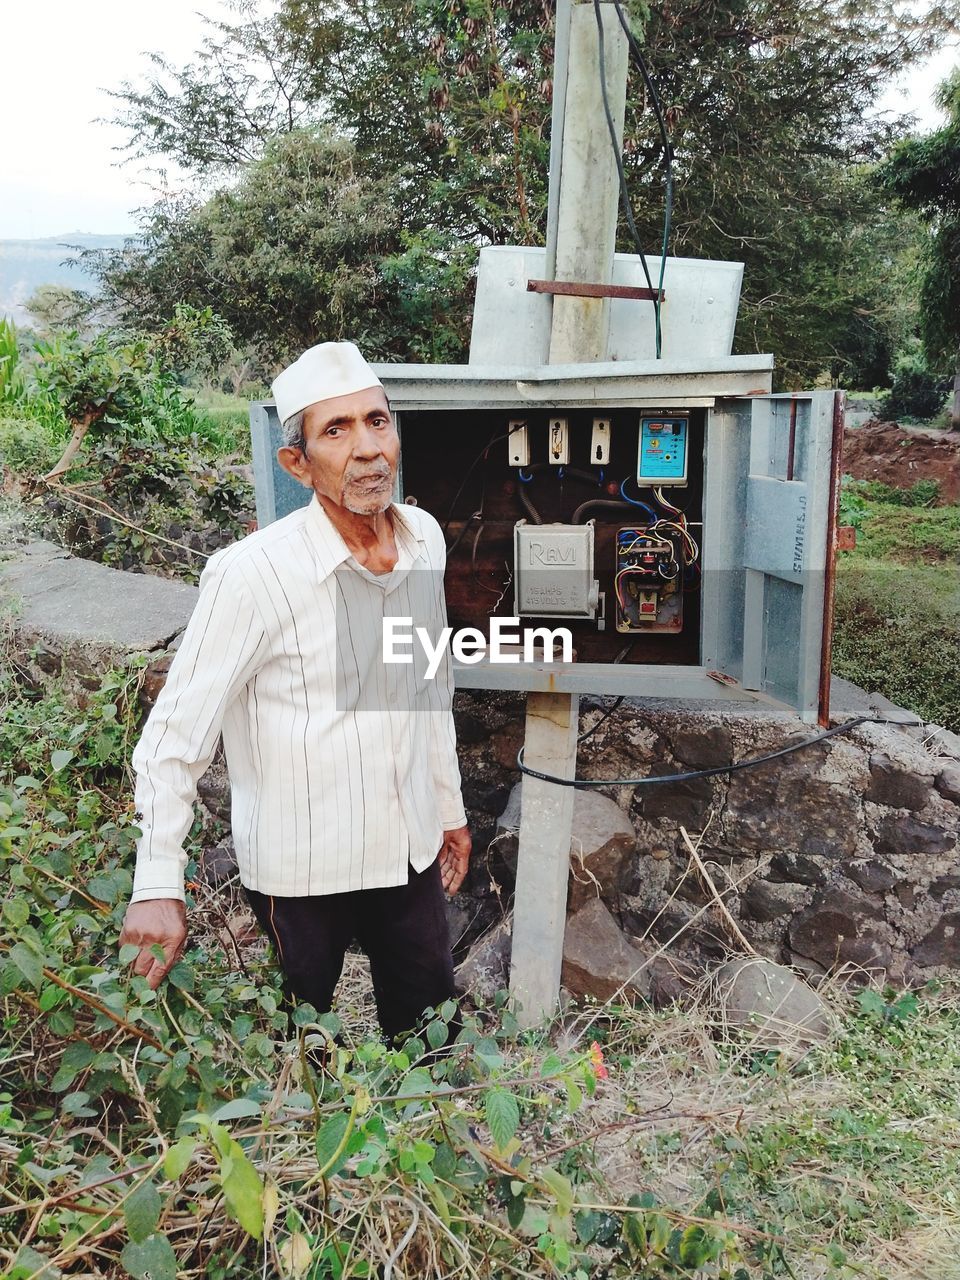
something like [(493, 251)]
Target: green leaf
[(129, 952), (574, 1094), (141, 1211), (437, 1033), (871, 1003), (76, 1056), (696, 1247), (150, 1259), (27, 962), (561, 1188), (237, 1109), (177, 1160), (242, 1189), (328, 1140), (181, 976), (29, 1263), (16, 912), (60, 759), (502, 1115)]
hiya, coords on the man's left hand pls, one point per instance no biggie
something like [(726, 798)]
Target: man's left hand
[(455, 858)]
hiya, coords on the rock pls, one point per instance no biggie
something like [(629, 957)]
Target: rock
[(213, 790), (944, 885), (785, 807), (872, 877), (487, 797), (675, 927), (684, 804), (671, 979), (763, 901), (771, 1004), (603, 846), (797, 868), (904, 834), (239, 929), (838, 928), (486, 969), (76, 607), (895, 785), (948, 783), (702, 746), (458, 922), (941, 946), (470, 728), (218, 864), (598, 959)]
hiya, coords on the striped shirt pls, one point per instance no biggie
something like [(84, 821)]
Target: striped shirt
[(343, 768)]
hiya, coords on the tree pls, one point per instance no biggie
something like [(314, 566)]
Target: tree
[(769, 106), (302, 248), (924, 175)]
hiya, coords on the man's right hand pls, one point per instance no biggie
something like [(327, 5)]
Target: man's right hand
[(160, 921)]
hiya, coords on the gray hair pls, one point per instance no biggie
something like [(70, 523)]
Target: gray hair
[(293, 437)]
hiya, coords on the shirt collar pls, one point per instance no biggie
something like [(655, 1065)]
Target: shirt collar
[(330, 549)]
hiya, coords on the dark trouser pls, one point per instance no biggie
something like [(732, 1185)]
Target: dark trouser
[(403, 930)]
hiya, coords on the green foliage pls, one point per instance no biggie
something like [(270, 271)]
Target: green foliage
[(897, 630), (12, 384), (307, 245), (447, 109), (857, 494), (915, 392), (923, 174)]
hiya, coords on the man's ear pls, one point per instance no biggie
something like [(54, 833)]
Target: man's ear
[(293, 463)]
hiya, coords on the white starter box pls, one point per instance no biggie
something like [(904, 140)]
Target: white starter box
[(554, 571)]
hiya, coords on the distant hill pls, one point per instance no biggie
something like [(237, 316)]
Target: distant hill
[(25, 264)]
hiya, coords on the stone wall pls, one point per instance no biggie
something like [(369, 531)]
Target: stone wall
[(843, 853)]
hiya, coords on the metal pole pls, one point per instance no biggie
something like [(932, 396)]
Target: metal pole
[(585, 215)]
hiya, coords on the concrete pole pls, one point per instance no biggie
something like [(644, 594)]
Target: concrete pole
[(586, 225), (589, 186)]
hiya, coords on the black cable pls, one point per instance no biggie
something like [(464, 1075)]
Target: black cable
[(607, 504), (585, 783), (615, 143), (606, 716), (473, 466), (668, 160), (527, 504), (638, 58)]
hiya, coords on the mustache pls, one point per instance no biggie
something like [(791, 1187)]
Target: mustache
[(382, 472)]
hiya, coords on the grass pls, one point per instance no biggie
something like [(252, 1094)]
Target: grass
[(897, 618)]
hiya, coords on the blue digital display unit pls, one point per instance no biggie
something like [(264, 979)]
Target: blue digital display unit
[(662, 452)]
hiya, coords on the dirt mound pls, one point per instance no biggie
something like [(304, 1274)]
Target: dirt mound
[(900, 456)]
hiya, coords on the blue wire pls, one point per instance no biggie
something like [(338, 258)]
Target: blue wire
[(635, 501), (522, 477)]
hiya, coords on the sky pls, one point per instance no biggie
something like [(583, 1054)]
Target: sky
[(59, 171)]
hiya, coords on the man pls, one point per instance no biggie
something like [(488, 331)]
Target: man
[(346, 809)]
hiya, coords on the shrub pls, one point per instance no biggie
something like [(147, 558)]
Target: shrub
[(914, 393)]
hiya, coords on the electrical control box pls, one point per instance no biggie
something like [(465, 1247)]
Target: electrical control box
[(662, 451), (649, 582), (689, 562), (553, 565)]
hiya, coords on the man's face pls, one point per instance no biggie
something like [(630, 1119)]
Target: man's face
[(352, 450)]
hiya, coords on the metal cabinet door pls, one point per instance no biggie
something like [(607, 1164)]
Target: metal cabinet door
[(770, 504)]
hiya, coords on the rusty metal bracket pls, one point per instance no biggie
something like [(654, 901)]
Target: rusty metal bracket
[(574, 289)]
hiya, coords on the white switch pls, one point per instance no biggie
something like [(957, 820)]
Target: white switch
[(558, 448), (600, 442), (518, 443)]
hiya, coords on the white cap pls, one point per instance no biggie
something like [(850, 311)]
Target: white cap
[(327, 370)]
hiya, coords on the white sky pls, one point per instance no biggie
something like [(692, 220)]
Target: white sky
[(59, 171)]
